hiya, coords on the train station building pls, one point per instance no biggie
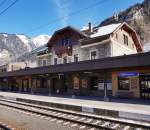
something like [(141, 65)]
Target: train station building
[(93, 62)]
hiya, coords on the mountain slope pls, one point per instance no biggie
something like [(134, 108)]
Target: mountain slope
[(137, 16), (40, 40), (13, 45)]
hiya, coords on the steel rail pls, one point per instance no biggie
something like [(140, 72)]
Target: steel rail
[(124, 122)]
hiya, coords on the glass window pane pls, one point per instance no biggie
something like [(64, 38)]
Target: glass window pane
[(123, 83)]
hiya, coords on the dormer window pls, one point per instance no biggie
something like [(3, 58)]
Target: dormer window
[(65, 41)]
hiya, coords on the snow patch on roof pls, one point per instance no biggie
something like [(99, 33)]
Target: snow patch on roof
[(104, 30), (42, 49)]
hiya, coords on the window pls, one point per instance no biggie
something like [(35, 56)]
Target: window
[(39, 62), (55, 61), (4, 70), (44, 62), (123, 83), (65, 41), (125, 38), (69, 59), (33, 83), (116, 36), (44, 83), (38, 83), (76, 59), (59, 60), (65, 60), (94, 83), (76, 82), (93, 55)]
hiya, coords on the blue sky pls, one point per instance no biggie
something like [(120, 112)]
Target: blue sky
[(35, 17)]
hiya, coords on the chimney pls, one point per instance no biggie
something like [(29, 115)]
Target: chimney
[(90, 27)]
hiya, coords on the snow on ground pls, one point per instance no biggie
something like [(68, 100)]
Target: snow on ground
[(147, 47), (4, 57), (104, 30), (4, 54)]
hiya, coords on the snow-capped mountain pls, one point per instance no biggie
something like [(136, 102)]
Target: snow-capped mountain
[(15, 45), (40, 40)]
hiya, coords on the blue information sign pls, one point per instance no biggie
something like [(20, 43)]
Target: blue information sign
[(128, 74)]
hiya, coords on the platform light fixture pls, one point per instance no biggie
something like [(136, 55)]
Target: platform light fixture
[(88, 72)]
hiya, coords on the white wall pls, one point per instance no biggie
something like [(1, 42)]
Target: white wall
[(118, 49)]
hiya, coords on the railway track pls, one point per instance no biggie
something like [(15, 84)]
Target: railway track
[(5, 127), (79, 120)]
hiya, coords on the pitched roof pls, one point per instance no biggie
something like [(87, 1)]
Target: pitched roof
[(105, 30), (94, 39), (71, 28), (42, 49), (134, 35), (81, 34)]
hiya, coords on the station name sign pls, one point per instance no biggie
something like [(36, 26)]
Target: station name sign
[(128, 74)]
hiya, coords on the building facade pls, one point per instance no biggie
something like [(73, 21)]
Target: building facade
[(87, 63), (117, 75), (71, 45)]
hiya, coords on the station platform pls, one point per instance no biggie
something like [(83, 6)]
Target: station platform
[(130, 109)]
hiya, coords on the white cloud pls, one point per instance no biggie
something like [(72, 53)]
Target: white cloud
[(63, 11)]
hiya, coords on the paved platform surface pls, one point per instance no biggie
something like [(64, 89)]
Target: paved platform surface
[(126, 110)]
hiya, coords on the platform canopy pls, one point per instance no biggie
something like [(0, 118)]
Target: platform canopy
[(105, 64)]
